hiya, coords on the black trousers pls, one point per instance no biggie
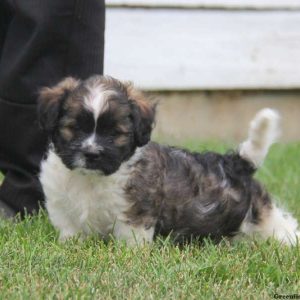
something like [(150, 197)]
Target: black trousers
[(40, 43)]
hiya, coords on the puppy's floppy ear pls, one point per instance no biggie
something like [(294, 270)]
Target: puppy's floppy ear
[(143, 114), (50, 102)]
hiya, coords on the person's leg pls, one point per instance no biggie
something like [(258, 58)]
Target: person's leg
[(5, 19), (44, 42)]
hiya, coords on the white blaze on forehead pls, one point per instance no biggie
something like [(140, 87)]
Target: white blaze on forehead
[(97, 100)]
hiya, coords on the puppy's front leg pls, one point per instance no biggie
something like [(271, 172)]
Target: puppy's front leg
[(63, 222), (133, 235), (66, 234)]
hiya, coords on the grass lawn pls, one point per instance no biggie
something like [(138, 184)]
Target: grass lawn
[(34, 265)]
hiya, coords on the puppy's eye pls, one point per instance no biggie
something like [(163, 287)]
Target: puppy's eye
[(74, 127), (118, 133), (85, 122), (87, 127)]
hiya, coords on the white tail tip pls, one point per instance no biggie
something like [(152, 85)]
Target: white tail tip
[(263, 132)]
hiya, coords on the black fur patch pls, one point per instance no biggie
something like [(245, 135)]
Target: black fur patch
[(193, 195)]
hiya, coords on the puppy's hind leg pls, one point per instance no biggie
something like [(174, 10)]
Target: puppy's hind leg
[(272, 222), (264, 217)]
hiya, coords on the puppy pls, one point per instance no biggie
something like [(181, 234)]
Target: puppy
[(102, 175)]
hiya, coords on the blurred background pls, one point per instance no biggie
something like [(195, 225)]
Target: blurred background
[(211, 63)]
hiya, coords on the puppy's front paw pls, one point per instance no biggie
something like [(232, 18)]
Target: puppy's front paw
[(66, 235), (133, 235)]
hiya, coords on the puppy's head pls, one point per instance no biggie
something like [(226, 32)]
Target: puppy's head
[(95, 124)]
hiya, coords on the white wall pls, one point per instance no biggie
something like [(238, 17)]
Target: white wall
[(241, 45)]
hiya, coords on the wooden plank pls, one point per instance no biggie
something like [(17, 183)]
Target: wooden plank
[(187, 49), (213, 4)]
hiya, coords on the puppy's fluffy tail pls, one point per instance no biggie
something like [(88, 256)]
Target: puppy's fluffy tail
[(263, 132)]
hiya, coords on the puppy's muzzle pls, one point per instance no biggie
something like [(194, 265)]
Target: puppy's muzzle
[(92, 153)]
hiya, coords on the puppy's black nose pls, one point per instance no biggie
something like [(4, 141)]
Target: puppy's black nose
[(91, 155)]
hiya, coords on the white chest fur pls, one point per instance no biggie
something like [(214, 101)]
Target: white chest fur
[(83, 201)]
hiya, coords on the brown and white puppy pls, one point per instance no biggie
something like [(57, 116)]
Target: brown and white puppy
[(102, 175)]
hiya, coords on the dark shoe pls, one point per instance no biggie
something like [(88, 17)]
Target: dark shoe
[(5, 211)]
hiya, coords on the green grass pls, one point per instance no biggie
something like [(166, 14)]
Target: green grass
[(34, 265)]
